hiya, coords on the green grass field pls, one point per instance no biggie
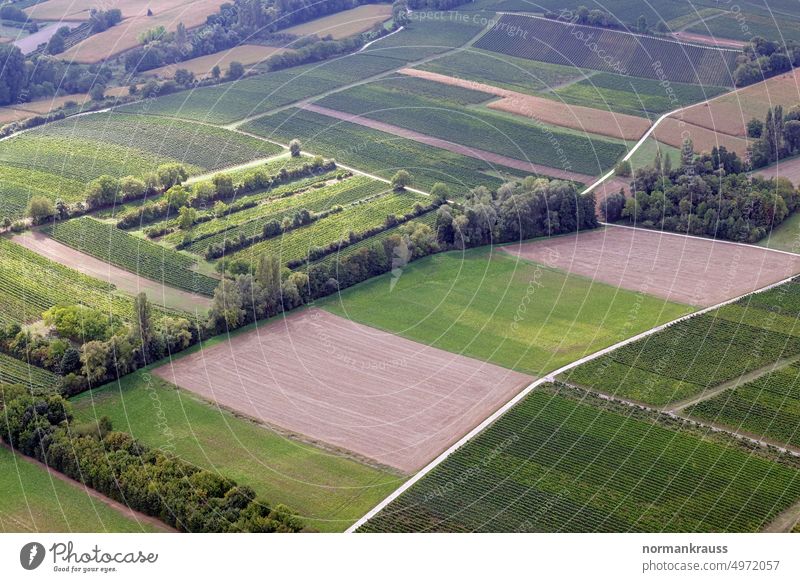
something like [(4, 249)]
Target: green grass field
[(785, 236), (33, 501), (467, 303), (645, 156), (329, 491), (702, 352), (557, 463)]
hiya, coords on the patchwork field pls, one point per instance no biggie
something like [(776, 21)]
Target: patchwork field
[(677, 268), (329, 491), (345, 23), (34, 501), (566, 44), (583, 119), (355, 388), (488, 305), (562, 461), (690, 357)]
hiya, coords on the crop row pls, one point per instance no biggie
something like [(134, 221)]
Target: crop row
[(31, 284), (193, 144), (18, 184), (768, 406), (493, 132), (314, 199), (380, 153), (701, 352), (554, 463), (13, 371), (611, 51), (296, 244), (147, 259)]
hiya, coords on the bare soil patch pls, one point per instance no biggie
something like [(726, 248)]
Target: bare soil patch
[(709, 40), (246, 54), (730, 113), (346, 23), (124, 280), (789, 168), (586, 119), (679, 268), (350, 386), (672, 131), (60, 10)]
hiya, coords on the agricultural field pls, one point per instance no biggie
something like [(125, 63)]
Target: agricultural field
[(673, 131), (246, 54), (513, 137), (374, 151), (358, 217), (624, 53), (700, 353), (343, 24), (158, 263), (768, 407), (645, 156), (352, 191), (13, 371), (480, 304), (756, 23), (328, 490), (594, 468), (377, 395), (34, 501), (19, 183)]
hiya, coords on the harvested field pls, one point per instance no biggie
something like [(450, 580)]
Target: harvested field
[(125, 35), (344, 24), (672, 131), (585, 119), (247, 54), (40, 107), (675, 267), (730, 113), (380, 396), (132, 283), (706, 39), (463, 150), (79, 9), (788, 168)]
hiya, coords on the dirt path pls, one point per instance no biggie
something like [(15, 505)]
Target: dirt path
[(94, 494), (549, 111), (126, 281), (675, 407), (707, 39), (463, 150), (785, 521)]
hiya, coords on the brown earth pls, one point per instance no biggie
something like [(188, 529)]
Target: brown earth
[(672, 131), (548, 111), (730, 113), (789, 169), (679, 268), (350, 386), (246, 54), (126, 281), (94, 494), (489, 157), (709, 40), (343, 24)]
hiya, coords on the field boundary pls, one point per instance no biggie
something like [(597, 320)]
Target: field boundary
[(528, 389)]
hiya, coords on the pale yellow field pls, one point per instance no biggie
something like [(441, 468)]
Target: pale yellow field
[(344, 24), (125, 35), (22, 111), (247, 54), (79, 9)]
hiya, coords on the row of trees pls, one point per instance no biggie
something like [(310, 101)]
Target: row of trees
[(178, 493), (762, 58), (777, 137), (710, 196)]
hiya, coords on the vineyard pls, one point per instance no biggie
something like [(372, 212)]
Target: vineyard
[(31, 284), (767, 407), (18, 184), (624, 53), (374, 151), (13, 371), (108, 243), (516, 138), (193, 144), (296, 244), (701, 352), (555, 463), (251, 222)]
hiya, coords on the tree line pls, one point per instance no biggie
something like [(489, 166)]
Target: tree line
[(114, 463), (777, 137), (711, 195)]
